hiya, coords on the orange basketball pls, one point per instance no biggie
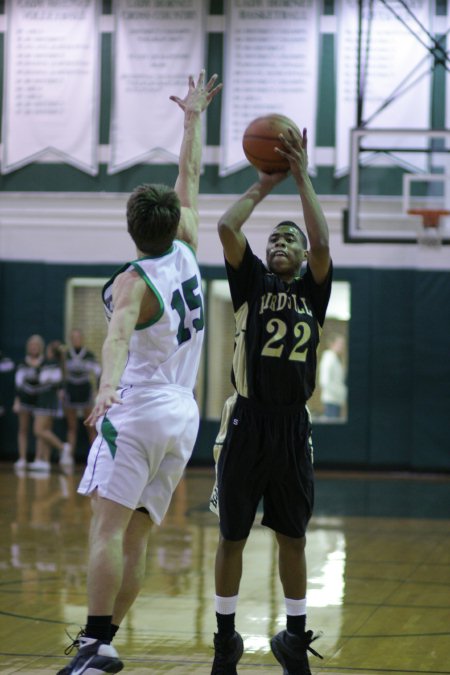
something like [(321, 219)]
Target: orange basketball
[(260, 139)]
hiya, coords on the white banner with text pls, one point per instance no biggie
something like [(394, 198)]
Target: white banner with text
[(271, 66), (157, 46), (52, 67)]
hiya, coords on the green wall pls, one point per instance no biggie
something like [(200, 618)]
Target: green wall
[(399, 365)]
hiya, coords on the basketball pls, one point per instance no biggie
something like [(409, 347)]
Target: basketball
[(260, 139)]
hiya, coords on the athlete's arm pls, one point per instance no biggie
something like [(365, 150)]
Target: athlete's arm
[(128, 292), (230, 224), (187, 185), (295, 151)]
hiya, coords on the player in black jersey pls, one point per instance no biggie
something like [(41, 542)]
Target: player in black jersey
[(266, 452)]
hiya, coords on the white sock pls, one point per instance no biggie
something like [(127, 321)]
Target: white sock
[(295, 607), (226, 605)]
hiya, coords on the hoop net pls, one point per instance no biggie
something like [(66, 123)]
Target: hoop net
[(429, 233)]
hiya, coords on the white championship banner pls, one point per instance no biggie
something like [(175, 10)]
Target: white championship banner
[(271, 66), (52, 66), (157, 46), (397, 68)]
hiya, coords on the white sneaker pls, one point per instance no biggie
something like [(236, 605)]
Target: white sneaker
[(39, 465), (20, 464), (66, 454)]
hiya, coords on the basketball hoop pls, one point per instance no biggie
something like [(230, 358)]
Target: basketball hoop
[(429, 233)]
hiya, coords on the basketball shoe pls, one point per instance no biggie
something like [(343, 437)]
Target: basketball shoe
[(93, 658), (291, 651), (228, 650)]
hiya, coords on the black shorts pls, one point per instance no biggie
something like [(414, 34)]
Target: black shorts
[(267, 454)]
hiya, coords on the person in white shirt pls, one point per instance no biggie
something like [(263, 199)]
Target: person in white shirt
[(333, 389)]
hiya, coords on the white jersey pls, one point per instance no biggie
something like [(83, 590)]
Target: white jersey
[(167, 349)]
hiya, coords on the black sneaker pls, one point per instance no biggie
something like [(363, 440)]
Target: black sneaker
[(93, 658), (290, 650), (228, 650)]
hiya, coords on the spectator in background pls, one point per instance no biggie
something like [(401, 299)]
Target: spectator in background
[(48, 407), (333, 390), (27, 387), (6, 366), (81, 369)]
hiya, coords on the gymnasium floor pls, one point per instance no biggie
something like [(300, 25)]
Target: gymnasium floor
[(379, 579)]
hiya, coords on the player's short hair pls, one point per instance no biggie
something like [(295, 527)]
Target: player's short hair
[(153, 216), (290, 223)]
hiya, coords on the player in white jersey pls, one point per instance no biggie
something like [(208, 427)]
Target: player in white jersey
[(144, 444), (145, 411)]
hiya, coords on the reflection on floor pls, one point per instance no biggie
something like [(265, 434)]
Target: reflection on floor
[(379, 578)]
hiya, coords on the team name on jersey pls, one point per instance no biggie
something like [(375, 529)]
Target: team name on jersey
[(276, 302)]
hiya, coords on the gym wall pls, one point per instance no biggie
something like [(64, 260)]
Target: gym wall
[(57, 223)]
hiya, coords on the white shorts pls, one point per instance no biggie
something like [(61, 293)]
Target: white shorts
[(142, 448)]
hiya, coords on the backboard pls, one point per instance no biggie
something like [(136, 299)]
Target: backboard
[(393, 173)]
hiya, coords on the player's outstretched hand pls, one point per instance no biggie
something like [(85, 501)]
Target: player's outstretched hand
[(199, 95), (105, 398)]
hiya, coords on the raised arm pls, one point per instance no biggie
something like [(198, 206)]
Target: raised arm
[(230, 224), (198, 98), (295, 150)]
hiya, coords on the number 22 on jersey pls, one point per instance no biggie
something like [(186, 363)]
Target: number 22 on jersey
[(275, 346)]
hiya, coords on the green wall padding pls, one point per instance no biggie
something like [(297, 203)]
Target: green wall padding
[(399, 365)]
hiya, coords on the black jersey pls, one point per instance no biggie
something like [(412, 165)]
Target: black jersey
[(27, 381), (6, 368), (51, 381), (80, 365), (278, 327)]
